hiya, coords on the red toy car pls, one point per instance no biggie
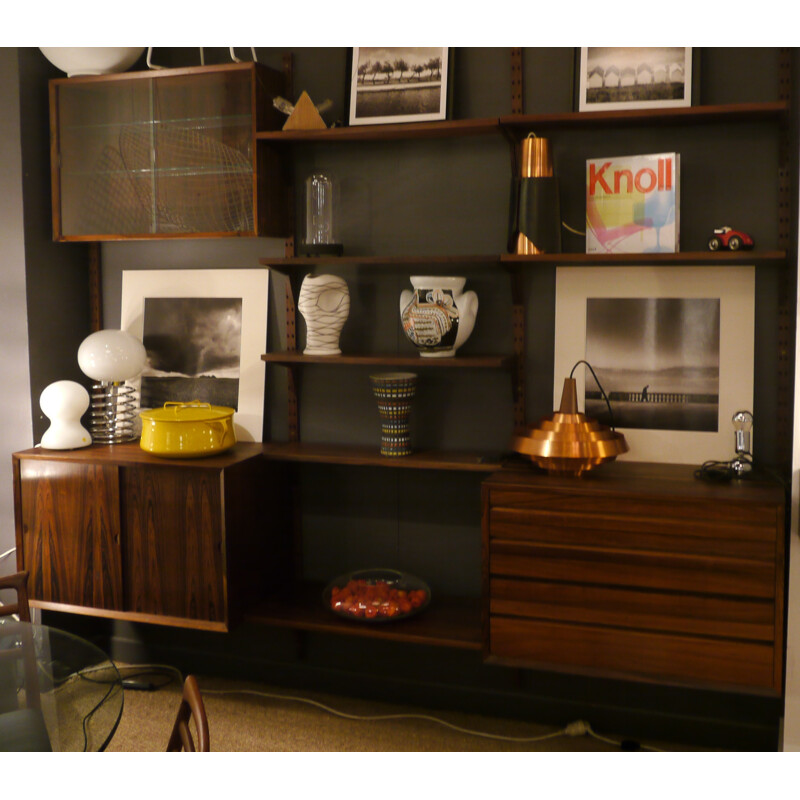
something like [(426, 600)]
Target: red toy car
[(731, 239)]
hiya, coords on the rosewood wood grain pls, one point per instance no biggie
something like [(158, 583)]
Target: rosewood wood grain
[(392, 359), (642, 609), (185, 542), (70, 536), (637, 571), (447, 622), (355, 455), (653, 570), (701, 537), (173, 542), (624, 653)]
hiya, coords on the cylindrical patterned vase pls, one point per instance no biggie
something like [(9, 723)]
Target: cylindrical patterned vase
[(324, 302), (394, 392)]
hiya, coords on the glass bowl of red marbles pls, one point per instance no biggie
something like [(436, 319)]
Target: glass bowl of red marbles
[(376, 595)]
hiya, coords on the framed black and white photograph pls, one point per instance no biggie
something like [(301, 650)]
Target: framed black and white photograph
[(204, 332), (613, 78), (398, 84), (672, 349)]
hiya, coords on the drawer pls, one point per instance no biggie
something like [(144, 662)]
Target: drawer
[(679, 536), (617, 503), (625, 653), (634, 608), (633, 568)]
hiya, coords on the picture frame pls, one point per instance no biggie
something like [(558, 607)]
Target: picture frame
[(733, 287), (618, 78), (398, 84), (205, 331)]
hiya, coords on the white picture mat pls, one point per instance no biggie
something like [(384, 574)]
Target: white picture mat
[(251, 285), (734, 286), (634, 104)]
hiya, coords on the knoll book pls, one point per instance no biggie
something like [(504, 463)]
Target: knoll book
[(633, 204)]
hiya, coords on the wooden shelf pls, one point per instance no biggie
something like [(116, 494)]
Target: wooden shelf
[(447, 622), (515, 123), (431, 264), (411, 360), (373, 133), (732, 112), (513, 262), (365, 456), (689, 258)]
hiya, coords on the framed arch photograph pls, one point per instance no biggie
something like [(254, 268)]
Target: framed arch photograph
[(615, 78)]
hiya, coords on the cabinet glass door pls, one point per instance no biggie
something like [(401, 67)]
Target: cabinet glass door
[(154, 154)]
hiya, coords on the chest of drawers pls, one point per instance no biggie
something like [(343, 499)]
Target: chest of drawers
[(636, 571)]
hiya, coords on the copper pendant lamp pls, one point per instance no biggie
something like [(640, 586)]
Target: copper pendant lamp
[(568, 442)]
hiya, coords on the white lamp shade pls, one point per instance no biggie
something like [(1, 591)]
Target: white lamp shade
[(111, 355), (92, 60)]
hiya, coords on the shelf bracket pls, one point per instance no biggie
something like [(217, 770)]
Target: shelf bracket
[(516, 81), (292, 410)]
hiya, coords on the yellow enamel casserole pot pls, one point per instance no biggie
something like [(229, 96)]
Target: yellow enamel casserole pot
[(187, 430)]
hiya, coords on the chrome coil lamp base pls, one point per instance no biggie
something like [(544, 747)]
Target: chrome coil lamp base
[(568, 442), (114, 411)]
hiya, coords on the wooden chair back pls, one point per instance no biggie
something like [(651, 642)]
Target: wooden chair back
[(190, 709), (19, 582)]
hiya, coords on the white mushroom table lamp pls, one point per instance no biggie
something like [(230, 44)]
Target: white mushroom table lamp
[(112, 357)]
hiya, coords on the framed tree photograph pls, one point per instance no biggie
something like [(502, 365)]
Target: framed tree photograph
[(204, 332), (672, 348), (398, 84), (614, 78)]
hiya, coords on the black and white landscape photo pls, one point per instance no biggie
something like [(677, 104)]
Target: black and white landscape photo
[(193, 350), (398, 84), (635, 77), (658, 360)]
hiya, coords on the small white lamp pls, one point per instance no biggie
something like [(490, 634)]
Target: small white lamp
[(64, 403), (112, 357)]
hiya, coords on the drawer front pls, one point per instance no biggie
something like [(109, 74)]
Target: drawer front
[(631, 568), (690, 509), (750, 533), (625, 653), (676, 536), (635, 609)]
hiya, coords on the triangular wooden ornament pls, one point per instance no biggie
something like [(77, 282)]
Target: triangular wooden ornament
[(305, 116)]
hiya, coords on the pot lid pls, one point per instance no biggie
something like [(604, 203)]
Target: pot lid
[(193, 411)]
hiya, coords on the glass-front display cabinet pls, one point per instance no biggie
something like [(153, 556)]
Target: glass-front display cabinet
[(165, 154)]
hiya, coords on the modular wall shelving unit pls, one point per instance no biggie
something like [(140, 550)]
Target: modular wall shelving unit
[(463, 622), (774, 259)]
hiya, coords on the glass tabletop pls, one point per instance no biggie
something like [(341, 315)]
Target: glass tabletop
[(55, 688)]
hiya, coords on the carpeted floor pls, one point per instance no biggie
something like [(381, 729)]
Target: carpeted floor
[(240, 720)]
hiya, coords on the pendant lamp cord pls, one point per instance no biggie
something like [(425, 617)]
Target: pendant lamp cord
[(600, 386)]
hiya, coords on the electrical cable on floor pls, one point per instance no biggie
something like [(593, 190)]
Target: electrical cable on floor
[(574, 729), (578, 728)]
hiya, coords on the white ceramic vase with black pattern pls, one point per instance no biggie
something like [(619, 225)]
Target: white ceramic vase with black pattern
[(324, 302), (438, 315)]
